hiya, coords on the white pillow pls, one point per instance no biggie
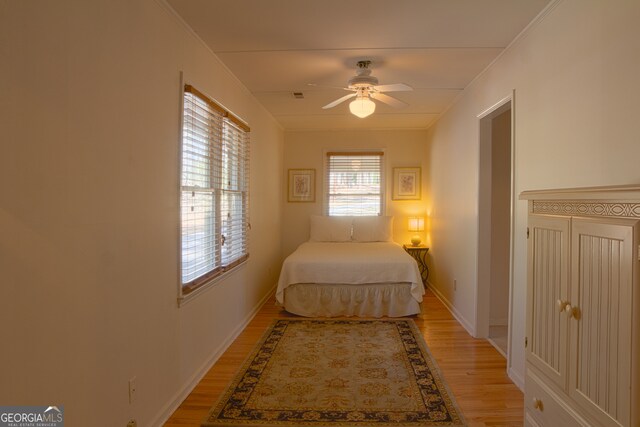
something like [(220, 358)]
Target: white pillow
[(373, 229), (330, 229)]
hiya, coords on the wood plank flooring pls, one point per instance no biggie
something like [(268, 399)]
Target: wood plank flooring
[(473, 369)]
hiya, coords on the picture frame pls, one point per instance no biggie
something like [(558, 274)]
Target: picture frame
[(407, 183), (302, 185)]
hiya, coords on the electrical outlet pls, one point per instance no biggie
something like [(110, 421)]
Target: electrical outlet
[(132, 423), (455, 285), (133, 389)]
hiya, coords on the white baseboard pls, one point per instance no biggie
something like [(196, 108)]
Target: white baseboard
[(514, 375), (179, 397), (498, 321), (454, 311), (517, 378), (497, 347)]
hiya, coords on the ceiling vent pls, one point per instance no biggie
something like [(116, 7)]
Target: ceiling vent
[(298, 95)]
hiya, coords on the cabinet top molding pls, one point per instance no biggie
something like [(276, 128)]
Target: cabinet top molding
[(612, 193)]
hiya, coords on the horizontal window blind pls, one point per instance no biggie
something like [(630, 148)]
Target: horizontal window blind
[(353, 183), (235, 193), (214, 190)]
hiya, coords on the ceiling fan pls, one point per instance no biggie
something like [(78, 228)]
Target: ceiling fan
[(365, 87)]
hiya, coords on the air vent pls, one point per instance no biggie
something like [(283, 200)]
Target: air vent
[(298, 95)]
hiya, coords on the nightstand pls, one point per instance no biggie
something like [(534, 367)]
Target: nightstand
[(419, 253)]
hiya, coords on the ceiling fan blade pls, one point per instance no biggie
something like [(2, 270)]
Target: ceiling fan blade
[(388, 100), (397, 87), (338, 101)]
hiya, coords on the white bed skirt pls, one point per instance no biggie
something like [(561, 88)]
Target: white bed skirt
[(363, 300)]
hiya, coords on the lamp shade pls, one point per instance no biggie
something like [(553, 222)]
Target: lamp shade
[(362, 106), (416, 223)]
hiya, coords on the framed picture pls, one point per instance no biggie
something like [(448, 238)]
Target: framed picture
[(302, 185), (406, 184)]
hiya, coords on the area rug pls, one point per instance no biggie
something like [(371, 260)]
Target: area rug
[(328, 373)]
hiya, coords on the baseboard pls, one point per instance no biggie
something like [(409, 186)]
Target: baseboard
[(499, 321), (517, 378), (497, 347), (179, 397), (459, 317)]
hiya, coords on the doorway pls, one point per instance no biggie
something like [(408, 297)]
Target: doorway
[(495, 207)]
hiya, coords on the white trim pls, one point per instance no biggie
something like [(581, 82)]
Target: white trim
[(171, 406), (495, 108), (610, 193), (512, 243), (497, 347), (517, 378), (482, 317), (481, 297), (468, 326), (514, 375), (498, 321)]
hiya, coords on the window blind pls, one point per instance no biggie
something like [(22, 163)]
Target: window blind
[(214, 196), (235, 193), (353, 183)]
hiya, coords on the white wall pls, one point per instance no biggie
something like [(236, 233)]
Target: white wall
[(305, 149), (89, 119), (575, 75)]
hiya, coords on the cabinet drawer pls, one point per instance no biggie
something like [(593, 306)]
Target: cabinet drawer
[(545, 406)]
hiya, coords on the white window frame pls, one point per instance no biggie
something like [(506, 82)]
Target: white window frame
[(229, 148), (325, 180)]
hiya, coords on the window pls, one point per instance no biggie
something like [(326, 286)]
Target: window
[(353, 183), (214, 197)]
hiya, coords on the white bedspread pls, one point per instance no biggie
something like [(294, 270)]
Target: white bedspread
[(350, 263)]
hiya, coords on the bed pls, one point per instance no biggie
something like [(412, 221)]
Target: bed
[(350, 267)]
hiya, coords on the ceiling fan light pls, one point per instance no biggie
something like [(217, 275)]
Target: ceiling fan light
[(362, 107)]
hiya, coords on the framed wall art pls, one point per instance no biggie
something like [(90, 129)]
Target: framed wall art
[(406, 184), (302, 185)]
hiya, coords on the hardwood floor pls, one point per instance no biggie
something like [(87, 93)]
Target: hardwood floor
[(473, 369)]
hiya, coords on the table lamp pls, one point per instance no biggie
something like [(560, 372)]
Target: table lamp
[(416, 224)]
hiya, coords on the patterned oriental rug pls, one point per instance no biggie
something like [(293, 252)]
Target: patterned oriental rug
[(330, 373)]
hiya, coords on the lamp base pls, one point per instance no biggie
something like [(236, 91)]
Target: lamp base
[(416, 240)]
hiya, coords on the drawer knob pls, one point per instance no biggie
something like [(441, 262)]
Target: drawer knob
[(537, 404), (573, 312), (562, 304), (569, 310)]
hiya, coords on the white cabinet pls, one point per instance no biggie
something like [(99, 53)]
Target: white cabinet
[(583, 307)]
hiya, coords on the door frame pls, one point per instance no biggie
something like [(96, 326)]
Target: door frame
[(483, 285)]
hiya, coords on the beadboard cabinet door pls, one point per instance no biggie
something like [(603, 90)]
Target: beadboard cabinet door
[(548, 293), (602, 293), (583, 307)]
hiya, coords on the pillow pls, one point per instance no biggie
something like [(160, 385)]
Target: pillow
[(373, 229), (330, 229)]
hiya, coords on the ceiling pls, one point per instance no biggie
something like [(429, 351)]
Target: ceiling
[(277, 47)]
